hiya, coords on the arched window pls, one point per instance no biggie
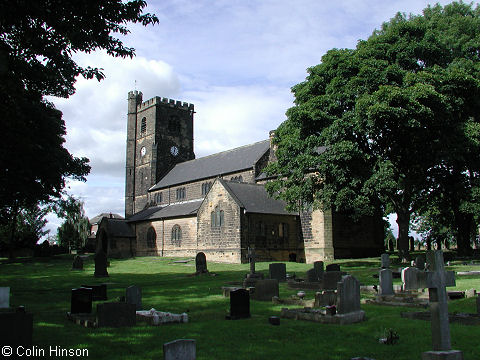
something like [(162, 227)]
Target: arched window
[(176, 235), (151, 237), (217, 217), (206, 188), (143, 125), (181, 193), (283, 230), (158, 198)]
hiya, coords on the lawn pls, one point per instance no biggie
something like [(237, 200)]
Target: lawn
[(43, 286)]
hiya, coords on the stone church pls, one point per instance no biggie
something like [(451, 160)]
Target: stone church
[(177, 205)]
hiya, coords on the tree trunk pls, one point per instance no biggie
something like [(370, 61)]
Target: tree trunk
[(464, 224), (403, 221)]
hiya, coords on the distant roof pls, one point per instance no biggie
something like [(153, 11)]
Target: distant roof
[(168, 211), (255, 199), (98, 218), (118, 227), (225, 162)]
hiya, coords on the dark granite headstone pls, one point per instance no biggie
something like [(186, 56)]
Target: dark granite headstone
[(81, 301), (265, 289), (348, 295), (99, 291), (318, 266), (201, 263), (274, 320), (16, 328), (239, 304), (101, 265), (133, 295), (312, 275), (181, 349), (420, 262), (278, 271), (333, 267), (331, 278), (116, 314), (77, 263)]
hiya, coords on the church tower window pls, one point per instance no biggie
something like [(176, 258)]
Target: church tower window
[(143, 125), (151, 237), (176, 235)]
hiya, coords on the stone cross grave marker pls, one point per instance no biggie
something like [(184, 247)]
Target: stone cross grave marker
[(81, 301), (101, 264), (77, 263), (116, 314), (436, 281), (201, 263), (133, 295), (386, 282), (348, 295), (239, 304), (251, 259), (318, 266), (278, 271), (4, 297), (385, 258), (181, 349)]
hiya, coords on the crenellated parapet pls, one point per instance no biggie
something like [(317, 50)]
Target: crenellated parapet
[(165, 102)]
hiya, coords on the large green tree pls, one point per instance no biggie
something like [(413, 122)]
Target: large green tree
[(75, 229), (37, 41), (379, 125)]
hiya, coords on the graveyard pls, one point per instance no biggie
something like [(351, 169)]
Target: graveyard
[(44, 288)]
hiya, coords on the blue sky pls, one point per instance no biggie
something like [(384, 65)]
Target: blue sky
[(236, 60)]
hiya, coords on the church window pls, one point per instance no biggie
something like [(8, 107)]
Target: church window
[(217, 217), (151, 237), (174, 125), (143, 126), (238, 178), (176, 235), (158, 198), (206, 188), (181, 193), (283, 230)]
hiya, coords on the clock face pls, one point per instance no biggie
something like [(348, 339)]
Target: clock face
[(143, 151), (174, 150)]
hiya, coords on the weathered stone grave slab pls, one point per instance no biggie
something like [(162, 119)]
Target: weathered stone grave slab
[(81, 301), (331, 278), (413, 279), (77, 263), (181, 349), (133, 295), (265, 290), (386, 282), (16, 328), (278, 271), (325, 298), (332, 267), (99, 292), (312, 275), (116, 314), (101, 264), (348, 295), (461, 318), (385, 261), (318, 266), (201, 263), (294, 300), (239, 304), (4, 297), (154, 317)]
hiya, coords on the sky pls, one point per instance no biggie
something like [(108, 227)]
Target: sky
[(235, 60)]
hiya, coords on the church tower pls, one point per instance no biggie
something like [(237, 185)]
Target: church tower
[(159, 135)]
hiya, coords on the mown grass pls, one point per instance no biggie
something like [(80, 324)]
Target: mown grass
[(43, 286)]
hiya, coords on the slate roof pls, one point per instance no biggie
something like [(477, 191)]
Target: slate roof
[(163, 212), (225, 162), (255, 199), (118, 227), (98, 218)]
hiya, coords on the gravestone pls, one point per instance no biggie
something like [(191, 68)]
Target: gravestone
[(81, 301), (420, 262), (265, 289), (385, 259), (318, 266), (77, 263), (239, 304), (101, 264), (133, 295), (325, 298), (181, 349), (332, 267), (312, 275), (437, 280), (278, 271), (429, 259), (116, 314), (201, 263), (251, 259), (253, 276), (386, 282), (16, 328), (391, 246), (348, 295), (99, 292), (330, 279), (4, 297), (413, 279)]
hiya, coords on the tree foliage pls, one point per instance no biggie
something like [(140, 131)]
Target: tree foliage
[(75, 229), (37, 42), (391, 122)]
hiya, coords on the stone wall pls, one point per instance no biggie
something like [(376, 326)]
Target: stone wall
[(219, 243), (316, 227)]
